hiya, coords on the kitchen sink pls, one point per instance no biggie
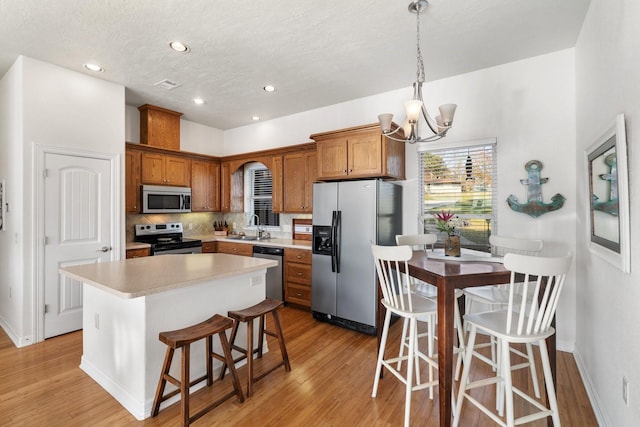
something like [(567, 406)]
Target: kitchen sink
[(247, 238)]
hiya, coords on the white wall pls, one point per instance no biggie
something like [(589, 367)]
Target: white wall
[(57, 107), (608, 342), (11, 242), (527, 105), (194, 137)]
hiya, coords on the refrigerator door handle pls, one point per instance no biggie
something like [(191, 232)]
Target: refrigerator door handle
[(333, 241), (336, 225)]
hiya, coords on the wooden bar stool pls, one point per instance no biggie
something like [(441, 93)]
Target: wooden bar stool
[(182, 338), (247, 315)]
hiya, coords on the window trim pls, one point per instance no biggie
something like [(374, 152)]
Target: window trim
[(452, 145), (249, 172)]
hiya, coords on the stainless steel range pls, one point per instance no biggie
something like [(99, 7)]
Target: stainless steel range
[(166, 239)]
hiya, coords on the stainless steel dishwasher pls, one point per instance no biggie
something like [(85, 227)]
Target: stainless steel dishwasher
[(274, 274)]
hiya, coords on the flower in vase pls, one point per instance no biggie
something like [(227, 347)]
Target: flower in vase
[(449, 223)]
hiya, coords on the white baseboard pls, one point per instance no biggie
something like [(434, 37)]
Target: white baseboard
[(591, 391), (566, 346), (134, 406), (140, 410), (17, 340)]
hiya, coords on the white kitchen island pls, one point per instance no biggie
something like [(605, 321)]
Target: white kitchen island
[(127, 303)]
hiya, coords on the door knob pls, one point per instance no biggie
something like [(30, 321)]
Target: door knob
[(104, 249)]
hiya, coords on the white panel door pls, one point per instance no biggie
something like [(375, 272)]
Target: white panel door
[(77, 226)]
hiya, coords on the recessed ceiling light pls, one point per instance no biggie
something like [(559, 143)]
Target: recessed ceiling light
[(269, 88), (179, 46), (199, 101), (255, 118), (93, 67)]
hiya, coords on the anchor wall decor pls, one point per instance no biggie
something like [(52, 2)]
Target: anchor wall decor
[(609, 206), (535, 206)]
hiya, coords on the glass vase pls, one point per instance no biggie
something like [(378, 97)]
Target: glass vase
[(452, 246)]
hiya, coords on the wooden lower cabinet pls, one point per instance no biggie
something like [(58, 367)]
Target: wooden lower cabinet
[(235, 248), (138, 253), (209, 247), (297, 276)]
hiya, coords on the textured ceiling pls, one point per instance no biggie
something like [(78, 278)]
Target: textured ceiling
[(316, 53)]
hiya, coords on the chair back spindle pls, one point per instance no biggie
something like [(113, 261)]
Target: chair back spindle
[(396, 289), (422, 241), (532, 310), (502, 245)]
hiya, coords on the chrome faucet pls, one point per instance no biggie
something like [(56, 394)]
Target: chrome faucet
[(257, 221)]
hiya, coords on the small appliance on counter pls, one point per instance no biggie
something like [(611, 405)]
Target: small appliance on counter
[(166, 239)]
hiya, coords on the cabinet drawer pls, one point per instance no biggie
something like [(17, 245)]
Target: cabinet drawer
[(297, 255), (137, 253), (298, 294), (235, 248), (209, 247), (298, 273)]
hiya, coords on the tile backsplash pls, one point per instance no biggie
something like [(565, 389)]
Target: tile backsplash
[(201, 223)]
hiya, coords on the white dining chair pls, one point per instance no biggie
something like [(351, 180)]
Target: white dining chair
[(496, 297), (526, 319), (425, 242), (399, 299)]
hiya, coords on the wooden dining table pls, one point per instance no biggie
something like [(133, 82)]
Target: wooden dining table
[(448, 275)]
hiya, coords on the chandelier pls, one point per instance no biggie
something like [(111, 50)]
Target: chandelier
[(442, 123)]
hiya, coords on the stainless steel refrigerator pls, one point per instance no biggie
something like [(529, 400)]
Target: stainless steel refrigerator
[(347, 217)]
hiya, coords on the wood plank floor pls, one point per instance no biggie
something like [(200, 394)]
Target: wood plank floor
[(329, 385)]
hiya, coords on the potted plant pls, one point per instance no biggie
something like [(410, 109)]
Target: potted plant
[(450, 224)]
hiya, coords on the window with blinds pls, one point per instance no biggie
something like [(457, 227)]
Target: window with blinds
[(261, 188), (461, 178)]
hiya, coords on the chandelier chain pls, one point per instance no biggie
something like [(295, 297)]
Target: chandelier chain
[(420, 71)]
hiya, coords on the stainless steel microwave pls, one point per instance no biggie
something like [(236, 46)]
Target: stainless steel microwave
[(161, 199)]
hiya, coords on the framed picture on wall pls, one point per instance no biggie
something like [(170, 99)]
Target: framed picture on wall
[(607, 183)]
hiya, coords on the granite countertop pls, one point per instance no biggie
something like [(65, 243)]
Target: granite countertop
[(138, 277), (137, 245), (281, 243)]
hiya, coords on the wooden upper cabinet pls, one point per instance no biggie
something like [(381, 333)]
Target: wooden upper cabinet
[(205, 187), (132, 181), (365, 155), (225, 187), (164, 169), (299, 173), (332, 158), (359, 152), (277, 188), (159, 127), (311, 177), (231, 188)]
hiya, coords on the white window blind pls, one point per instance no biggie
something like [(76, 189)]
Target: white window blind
[(261, 190), (461, 178)]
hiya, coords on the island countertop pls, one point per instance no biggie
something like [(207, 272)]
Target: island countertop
[(138, 277)]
